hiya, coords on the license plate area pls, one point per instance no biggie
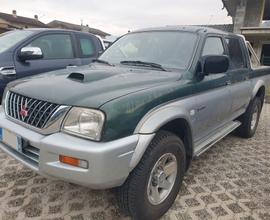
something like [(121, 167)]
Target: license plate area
[(28, 153), (10, 139)]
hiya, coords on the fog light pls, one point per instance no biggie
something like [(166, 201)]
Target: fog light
[(73, 161)]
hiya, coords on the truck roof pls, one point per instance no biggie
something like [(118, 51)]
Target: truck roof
[(188, 28), (39, 30)]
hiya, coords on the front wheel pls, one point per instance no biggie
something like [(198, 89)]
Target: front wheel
[(153, 185)]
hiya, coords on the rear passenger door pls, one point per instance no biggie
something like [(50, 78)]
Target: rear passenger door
[(88, 47), (58, 52), (239, 71)]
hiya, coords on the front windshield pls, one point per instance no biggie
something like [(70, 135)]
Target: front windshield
[(171, 49), (9, 39)]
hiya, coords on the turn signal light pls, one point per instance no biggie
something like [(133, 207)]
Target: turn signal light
[(73, 161)]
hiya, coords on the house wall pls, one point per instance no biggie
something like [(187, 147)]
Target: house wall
[(2, 30), (258, 42), (19, 25), (249, 13), (254, 13), (56, 26), (240, 14), (5, 26), (2, 21)]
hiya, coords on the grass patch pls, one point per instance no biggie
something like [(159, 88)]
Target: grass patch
[(268, 92), (267, 97)]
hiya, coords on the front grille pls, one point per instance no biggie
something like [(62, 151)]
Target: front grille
[(31, 111)]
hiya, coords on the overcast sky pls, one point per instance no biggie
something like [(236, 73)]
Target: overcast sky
[(119, 16)]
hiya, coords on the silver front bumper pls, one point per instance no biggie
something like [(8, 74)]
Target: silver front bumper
[(109, 163)]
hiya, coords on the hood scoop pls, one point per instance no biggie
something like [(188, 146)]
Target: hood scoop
[(89, 76), (76, 76)]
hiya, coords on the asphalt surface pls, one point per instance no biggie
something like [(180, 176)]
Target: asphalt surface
[(230, 181)]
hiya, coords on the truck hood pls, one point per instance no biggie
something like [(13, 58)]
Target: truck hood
[(90, 86)]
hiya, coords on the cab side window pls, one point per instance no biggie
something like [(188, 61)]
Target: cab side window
[(213, 46), (54, 46), (235, 53), (86, 46)]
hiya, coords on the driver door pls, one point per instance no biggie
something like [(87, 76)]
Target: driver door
[(58, 52), (213, 102)]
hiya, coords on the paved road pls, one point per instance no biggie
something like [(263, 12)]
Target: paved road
[(230, 181)]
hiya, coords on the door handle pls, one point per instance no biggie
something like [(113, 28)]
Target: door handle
[(8, 71)]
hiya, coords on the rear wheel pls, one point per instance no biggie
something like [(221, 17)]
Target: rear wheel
[(250, 119), (153, 185)]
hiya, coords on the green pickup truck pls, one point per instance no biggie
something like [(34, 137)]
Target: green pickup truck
[(136, 118)]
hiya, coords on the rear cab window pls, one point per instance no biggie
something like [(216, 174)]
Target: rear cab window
[(235, 53), (86, 46)]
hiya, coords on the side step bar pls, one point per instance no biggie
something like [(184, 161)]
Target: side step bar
[(220, 134)]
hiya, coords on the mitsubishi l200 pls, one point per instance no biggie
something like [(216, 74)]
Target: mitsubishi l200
[(135, 119)]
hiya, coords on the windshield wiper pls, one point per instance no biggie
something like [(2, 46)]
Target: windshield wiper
[(102, 61), (142, 63)]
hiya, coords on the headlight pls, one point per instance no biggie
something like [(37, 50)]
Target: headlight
[(84, 122)]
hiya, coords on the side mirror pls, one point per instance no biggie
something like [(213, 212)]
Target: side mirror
[(30, 53), (214, 64)]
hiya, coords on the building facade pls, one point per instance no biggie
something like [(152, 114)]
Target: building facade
[(252, 19), (76, 27), (13, 21)]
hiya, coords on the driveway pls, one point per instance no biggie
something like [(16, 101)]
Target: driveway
[(230, 181)]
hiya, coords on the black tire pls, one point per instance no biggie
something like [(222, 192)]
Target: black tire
[(132, 195), (246, 130)]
